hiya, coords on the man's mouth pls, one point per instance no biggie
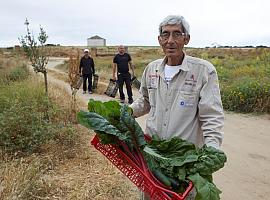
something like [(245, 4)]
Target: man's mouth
[(171, 48)]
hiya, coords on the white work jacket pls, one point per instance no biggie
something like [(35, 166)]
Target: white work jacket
[(188, 107)]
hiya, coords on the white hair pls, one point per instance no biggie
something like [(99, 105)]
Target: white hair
[(175, 20)]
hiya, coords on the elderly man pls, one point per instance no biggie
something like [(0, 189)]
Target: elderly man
[(180, 93), (87, 70), (122, 62)]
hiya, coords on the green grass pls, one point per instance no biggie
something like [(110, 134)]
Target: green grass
[(244, 76), (28, 118), (245, 73), (23, 118)]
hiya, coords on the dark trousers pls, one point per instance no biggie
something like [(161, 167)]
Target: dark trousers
[(89, 77), (124, 78)]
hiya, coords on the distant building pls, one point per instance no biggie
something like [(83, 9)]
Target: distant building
[(17, 47), (96, 41)]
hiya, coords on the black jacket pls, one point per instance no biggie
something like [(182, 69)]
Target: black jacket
[(87, 65)]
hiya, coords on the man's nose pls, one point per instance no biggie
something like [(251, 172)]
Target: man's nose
[(171, 39)]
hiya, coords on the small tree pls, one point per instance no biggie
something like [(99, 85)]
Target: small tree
[(74, 77), (36, 52)]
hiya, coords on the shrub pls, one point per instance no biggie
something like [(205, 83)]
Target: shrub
[(223, 74), (23, 122), (26, 93), (12, 70), (23, 128), (29, 119), (247, 95), (18, 73)]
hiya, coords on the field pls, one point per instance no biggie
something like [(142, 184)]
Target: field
[(244, 74), (63, 165)]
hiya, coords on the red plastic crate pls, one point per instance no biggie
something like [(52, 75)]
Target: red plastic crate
[(140, 177)]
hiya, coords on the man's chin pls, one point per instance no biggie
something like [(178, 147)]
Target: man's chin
[(172, 54)]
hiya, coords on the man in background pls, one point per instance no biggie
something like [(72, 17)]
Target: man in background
[(87, 70), (122, 63)]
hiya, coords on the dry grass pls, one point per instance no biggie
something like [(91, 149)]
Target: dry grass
[(73, 70), (58, 173), (66, 168), (102, 83), (58, 75), (89, 176), (9, 62), (20, 176)]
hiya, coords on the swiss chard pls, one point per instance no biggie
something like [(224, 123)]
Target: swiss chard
[(175, 161), (182, 160), (112, 119)]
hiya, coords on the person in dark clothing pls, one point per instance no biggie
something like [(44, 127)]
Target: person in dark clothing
[(87, 70), (122, 62)]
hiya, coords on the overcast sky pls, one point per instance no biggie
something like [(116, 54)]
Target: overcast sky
[(135, 22)]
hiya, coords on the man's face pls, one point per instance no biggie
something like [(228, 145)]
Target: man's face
[(172, 40), (121, 49), (86, 53)]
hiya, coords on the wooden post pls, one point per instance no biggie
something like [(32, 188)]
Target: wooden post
[(93, 51)]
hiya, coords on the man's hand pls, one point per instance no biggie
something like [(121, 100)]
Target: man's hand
[(132, 70), (113, 72)]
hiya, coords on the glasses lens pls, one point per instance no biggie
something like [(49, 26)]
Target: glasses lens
[(175, 35)]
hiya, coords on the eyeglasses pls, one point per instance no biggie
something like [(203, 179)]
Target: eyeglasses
[(176, 35)]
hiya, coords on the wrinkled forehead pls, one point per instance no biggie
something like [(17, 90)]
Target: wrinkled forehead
[(172, 28), (121, 47)]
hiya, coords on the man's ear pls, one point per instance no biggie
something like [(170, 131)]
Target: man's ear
[(159, 40), (186, 39)]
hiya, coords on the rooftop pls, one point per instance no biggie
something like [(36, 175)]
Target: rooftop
[(96, 37)]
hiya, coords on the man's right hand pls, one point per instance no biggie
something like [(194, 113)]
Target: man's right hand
[(114, 78)]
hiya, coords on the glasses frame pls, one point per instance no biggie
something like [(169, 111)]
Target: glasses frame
[(176, 35)]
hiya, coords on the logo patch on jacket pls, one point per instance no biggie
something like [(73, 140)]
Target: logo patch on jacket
[(191, 80), (184, 103), (153, 78)]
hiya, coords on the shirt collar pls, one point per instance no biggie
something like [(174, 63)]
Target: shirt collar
[(183, 67)]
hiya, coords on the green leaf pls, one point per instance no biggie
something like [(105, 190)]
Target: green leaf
[(175, 152), (181, 173), (131, 126), (205, 189), (98, 123), (109, 110), (153, 153), (210, 160)]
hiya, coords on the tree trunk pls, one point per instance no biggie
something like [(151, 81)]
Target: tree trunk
[(46, 82)]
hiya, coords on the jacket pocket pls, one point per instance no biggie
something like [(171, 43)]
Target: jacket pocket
[(188, 99)]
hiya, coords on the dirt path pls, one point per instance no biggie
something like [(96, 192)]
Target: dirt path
[(246, 143)]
